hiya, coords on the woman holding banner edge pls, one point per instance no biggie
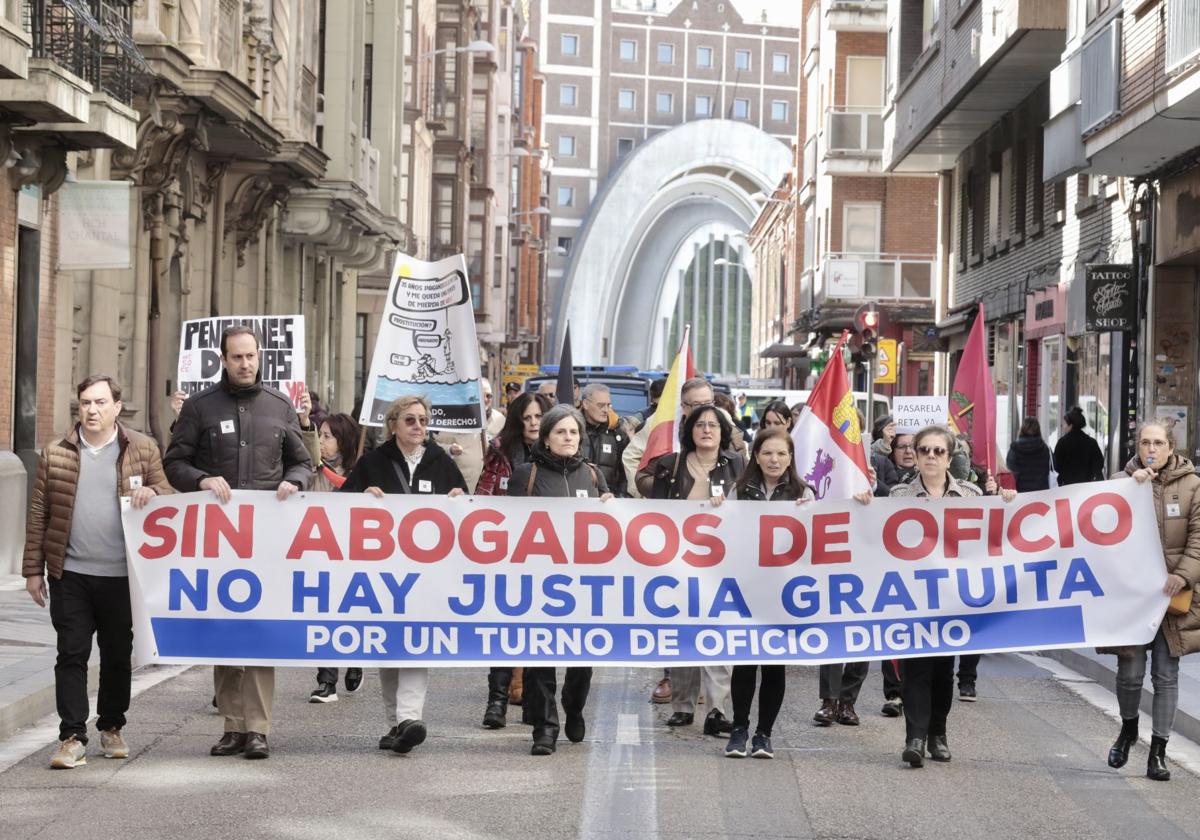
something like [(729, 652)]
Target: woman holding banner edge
[(928, 681), (407, 462), (1177, 509)]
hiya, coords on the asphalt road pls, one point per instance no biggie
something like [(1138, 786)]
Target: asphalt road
[(1028, 763)]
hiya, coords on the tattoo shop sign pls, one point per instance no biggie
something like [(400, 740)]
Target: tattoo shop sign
[(281, 352), (427, 346), (1112, 298), (347, 579)]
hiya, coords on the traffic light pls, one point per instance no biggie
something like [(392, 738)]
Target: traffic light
[(866, 323)]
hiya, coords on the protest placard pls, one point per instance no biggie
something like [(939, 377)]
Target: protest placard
[(348, 579), (427, 346), (911, 414), (281, 352)]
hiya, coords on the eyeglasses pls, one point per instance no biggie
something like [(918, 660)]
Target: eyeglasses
[(412, 420), (939, 451), (902, 447), (694, 405), (708, 425), (606, 406)]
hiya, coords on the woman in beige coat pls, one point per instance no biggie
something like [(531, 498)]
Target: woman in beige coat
[(1177, 508)]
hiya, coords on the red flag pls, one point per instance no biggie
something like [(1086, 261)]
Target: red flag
[(973, 397)]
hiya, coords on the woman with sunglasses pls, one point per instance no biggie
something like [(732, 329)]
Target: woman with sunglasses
[(557, 470), (407, 462), (770, 477), (704, 470), (1177, 508), (508, 450), (928, 681)]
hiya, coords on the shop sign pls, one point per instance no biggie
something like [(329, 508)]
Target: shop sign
[(1111, 298)]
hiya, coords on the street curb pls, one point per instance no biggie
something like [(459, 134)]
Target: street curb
[(38, 703), (1102, 673)]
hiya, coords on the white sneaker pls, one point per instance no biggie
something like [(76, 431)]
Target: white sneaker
[(113, 744), (71, 753)]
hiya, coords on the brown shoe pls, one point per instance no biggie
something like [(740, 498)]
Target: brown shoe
[(846, 715), (231, 743), (516, 687), (662, 691), (826, 714), (256, 745)]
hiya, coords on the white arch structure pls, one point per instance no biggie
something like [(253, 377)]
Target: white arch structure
[(676, 189)]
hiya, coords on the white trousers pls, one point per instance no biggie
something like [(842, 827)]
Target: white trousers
[(403, 691), (686, 683)]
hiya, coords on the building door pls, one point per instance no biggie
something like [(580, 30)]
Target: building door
[(1051, 385), (25, 367)]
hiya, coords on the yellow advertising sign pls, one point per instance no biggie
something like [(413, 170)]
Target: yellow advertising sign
[(886, 362)]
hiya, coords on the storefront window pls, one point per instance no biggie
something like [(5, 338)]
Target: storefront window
[(1006, 373), (1093, 364)]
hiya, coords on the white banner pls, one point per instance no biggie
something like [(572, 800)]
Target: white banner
[(281, 352), (93, 225), (911, 414), (348, 579), (427, 345)]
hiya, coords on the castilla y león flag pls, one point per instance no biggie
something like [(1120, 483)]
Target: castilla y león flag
[(830, 455), (664, 425), (973, 398)]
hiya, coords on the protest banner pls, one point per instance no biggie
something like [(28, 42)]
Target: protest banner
[(281, 352), (427, 346), (345, 579), (911, 414)]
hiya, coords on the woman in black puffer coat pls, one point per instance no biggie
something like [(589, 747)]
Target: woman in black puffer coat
[(1029, 458), (557, 470), (1077, 456)]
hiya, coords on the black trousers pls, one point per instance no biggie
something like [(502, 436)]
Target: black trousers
[(539, 700), (891, 678), (842, 681), (968, 669), (82, 606), (770, 695), (928, 692)]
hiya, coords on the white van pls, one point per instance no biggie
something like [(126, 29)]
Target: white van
[(759, 397)]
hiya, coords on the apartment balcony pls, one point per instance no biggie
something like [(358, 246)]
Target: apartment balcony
[(812, 39), (858, 278), (856, 15), (853, 141), (970, 69), (808, 181)]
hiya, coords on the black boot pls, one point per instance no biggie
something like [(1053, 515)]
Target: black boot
[(1118, 754), (495, 717), (1156, 765)]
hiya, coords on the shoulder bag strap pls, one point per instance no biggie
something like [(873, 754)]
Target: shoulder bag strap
[(404, 485), (532, 478)]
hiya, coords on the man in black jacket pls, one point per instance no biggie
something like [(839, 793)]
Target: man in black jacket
[(605, 441), (239, 435)]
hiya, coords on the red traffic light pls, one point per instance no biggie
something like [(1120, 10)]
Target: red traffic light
[(866, 320)]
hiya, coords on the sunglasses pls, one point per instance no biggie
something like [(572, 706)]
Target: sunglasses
[(412, 420), (938, 451)]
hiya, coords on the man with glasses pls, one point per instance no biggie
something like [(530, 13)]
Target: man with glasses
[(239, 435), (605, 441)]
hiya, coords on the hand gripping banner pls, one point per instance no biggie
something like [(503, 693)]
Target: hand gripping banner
[(343, 579)]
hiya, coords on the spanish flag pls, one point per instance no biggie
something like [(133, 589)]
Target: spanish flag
[(663, 427)]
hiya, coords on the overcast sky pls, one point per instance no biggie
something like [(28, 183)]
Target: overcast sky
[(779, 12)]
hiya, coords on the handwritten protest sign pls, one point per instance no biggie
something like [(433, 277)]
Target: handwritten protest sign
[(354, 580), (281, 352)]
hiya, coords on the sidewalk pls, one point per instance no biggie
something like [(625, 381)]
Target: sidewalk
[(27, 653)]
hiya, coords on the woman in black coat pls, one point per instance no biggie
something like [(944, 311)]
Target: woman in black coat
[(557, 470), (1029, 458), (1077, 456)]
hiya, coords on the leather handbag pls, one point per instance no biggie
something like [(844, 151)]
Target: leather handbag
[(1181, 604)]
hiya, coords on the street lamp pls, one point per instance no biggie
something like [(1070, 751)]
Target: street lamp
[(473, 47)]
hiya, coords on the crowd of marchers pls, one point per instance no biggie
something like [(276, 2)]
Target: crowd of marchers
[(242, 435)]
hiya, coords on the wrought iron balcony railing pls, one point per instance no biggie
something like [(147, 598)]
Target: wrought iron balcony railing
[(91, 39)]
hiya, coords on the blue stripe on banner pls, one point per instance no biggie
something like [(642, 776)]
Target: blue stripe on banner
[(232, 639)]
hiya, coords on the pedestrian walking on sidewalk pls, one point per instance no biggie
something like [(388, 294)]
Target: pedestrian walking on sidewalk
[(240, 434), (407, 462), (1077, 456), (1176, 489), (928, 681), (339, 437), (770, 477), (74, 536), (1029, 458), (557, 470)]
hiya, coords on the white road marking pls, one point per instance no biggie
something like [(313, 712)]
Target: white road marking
[(628, 731)]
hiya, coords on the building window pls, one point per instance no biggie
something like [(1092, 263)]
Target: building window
[(704, 56), (566, 145), (666, 53), (624, 146), (368, 61), (703, 106), (1095, 8), (570, 45), (568, 95), (564, 245), (780, 63), (741, 109), (779, 110), (566, 196), (741, 59), (627, 99), (929, 20), (628, 50), (665, 103), (362, 354)]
